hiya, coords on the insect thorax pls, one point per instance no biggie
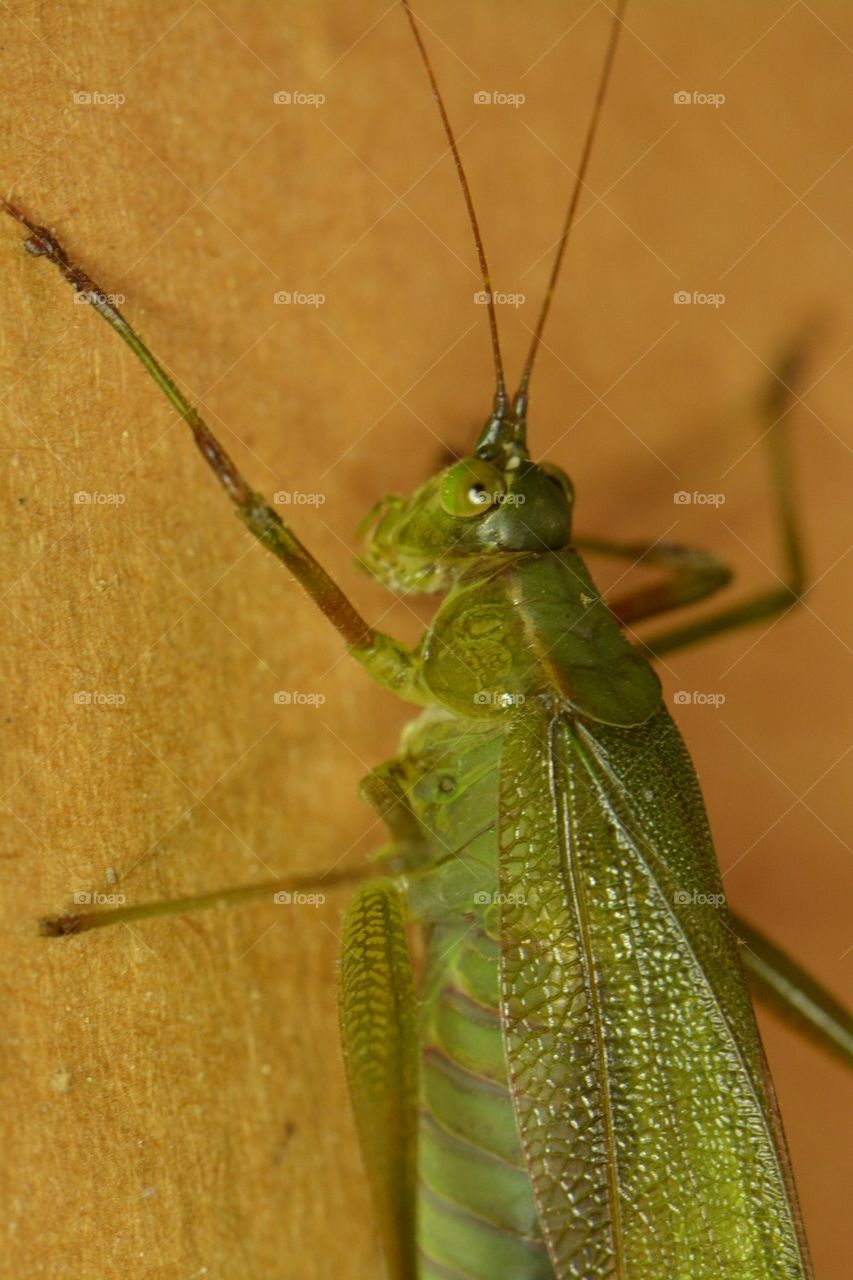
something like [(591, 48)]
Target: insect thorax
[(535, 629)]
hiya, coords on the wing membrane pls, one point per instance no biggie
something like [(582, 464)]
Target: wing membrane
[(637, 1073)]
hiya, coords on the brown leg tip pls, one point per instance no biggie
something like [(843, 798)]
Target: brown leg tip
[(59, 926)]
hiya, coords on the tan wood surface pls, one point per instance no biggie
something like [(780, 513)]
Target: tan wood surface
[(173, 1099)]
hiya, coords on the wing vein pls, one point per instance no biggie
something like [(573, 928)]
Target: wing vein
[(571, 870)]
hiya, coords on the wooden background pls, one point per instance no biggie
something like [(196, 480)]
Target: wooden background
[(172, 1094)]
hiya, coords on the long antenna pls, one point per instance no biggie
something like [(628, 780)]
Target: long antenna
[(500, 385), (520, 401)]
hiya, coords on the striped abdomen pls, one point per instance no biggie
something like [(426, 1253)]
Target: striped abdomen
[(476, 1214)]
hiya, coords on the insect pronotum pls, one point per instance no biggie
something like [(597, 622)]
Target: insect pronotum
[(292, 1157)]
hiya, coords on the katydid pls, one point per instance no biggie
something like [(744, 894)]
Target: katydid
[(574, 1086)]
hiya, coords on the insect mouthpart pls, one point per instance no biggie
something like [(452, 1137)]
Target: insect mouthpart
[(465, 516)]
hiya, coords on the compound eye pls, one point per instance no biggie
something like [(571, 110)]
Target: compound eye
[(471, 488), (559, 479)]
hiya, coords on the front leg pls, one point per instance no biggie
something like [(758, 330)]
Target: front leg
[(387, 662)]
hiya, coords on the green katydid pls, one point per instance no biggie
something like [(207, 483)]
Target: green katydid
[(593, 1099)]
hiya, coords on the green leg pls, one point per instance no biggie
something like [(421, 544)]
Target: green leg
[(277, 891), (387, 661), (695, 574), (786, 987), (379, 1033)]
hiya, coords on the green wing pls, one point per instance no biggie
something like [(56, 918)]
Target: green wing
[(645, 1112)]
